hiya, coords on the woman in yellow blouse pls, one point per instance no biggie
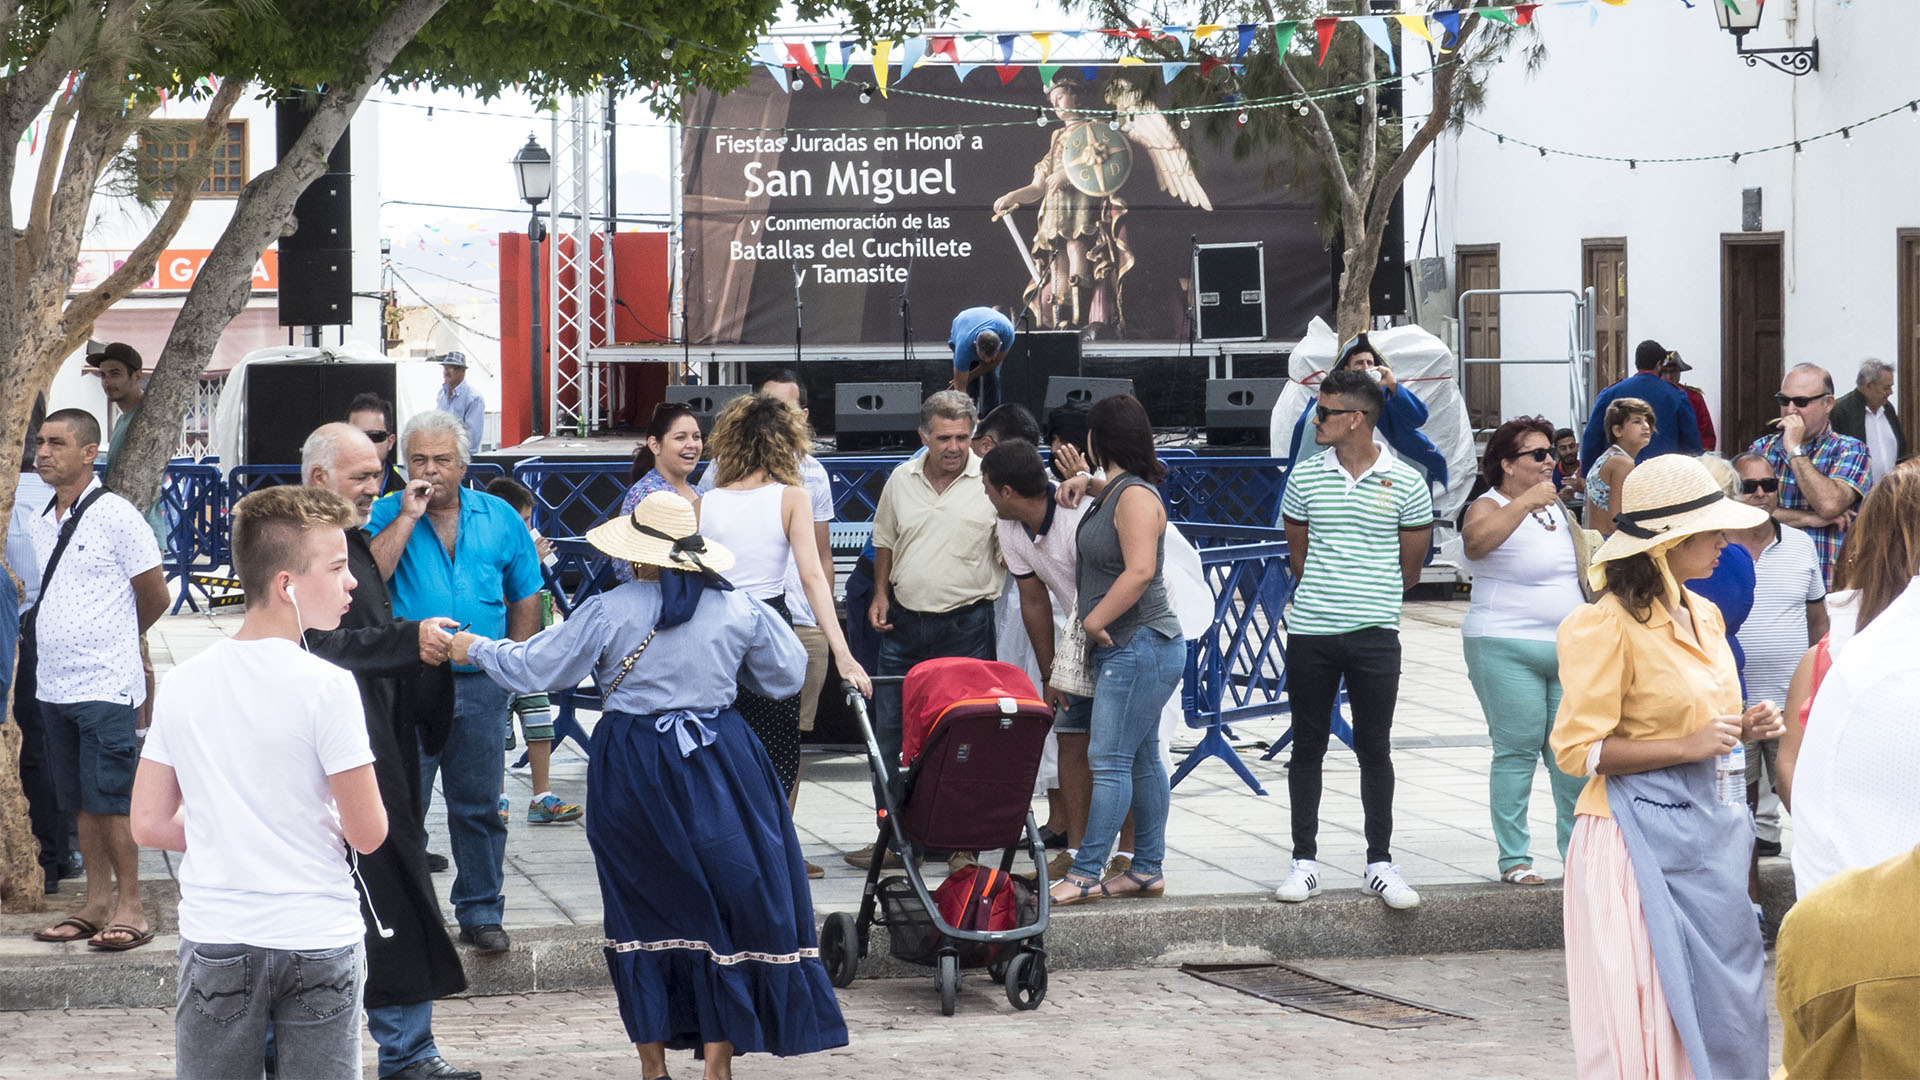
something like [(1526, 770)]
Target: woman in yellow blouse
[(1650, 698)]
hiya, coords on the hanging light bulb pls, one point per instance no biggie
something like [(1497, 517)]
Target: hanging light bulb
[(1846, 137), (1734, 160), (798, 82), (1632, 165), (1039, 118), (1796, 146), (1242, 117), (1303, 108), (866, 93), (1359, 99), (1185, 121), (666, 52), (1114, 123)]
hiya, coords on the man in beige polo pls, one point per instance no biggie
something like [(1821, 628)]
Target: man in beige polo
[(935, 577)]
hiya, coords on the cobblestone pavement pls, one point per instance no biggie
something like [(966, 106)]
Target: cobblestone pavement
[(1128, 1023)]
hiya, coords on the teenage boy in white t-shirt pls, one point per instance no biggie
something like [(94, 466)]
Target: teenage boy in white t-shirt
[(258, 768)]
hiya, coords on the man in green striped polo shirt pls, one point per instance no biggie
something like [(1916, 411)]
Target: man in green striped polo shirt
[(1358, 524)]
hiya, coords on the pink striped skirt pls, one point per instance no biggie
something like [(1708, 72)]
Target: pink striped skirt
[(1621, 1025)]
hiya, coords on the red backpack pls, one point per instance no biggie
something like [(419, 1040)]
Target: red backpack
[(978, 898)]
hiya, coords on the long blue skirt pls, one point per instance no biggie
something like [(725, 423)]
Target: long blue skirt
[(709, 919)]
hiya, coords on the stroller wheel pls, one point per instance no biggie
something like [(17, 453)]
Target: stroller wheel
[(946, 979), (1027, 980), (840, 948)]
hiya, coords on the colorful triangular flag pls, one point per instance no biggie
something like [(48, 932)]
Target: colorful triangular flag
[(1375, 28), (1324, 27)]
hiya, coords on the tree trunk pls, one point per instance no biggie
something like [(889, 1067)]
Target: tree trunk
[(225, 282)]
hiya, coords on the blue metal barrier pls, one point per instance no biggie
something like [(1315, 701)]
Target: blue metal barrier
[(1238, 669), (193, 502), (1240, 491), (571, 496)]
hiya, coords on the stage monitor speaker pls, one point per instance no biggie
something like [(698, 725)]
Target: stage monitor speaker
[(286, 401), (1240, 411), (706, 401), (1081, 393), (1230, 291), (868, 415), (316, 287), (1037, 357)]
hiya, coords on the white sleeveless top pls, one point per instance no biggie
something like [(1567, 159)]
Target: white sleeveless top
[(1524, 587), (748, 523)]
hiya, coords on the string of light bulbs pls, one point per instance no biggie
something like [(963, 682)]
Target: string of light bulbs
[(1843, 132)]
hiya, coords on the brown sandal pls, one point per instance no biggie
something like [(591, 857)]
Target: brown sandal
[(134, 938), (86, 929)]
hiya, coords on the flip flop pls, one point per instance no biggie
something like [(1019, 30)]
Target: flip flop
[(1522, 875), (136, 939), (86, 929)]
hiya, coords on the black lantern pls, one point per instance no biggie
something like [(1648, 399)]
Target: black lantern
[(533, 171), (1739, 17)]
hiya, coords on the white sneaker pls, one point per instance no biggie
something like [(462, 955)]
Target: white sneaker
[(1384, 878), (1302, 881)]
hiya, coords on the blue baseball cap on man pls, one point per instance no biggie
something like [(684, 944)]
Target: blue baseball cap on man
[(452, 359)]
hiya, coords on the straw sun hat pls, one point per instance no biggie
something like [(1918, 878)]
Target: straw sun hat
[(1669, 498), (661, 531)]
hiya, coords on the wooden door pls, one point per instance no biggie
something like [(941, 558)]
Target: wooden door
[(1752, 322), (1603, 268), (1478, 267), (1907, 378)]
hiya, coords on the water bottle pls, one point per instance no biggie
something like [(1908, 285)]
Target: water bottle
[(1730, 776)]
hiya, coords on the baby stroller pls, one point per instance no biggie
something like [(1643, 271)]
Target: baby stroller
[(973, 734)]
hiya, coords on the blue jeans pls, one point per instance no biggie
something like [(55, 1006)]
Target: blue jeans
[(1131, 684), (917, 636), (472, 767), (228, 995), (404, 1032)]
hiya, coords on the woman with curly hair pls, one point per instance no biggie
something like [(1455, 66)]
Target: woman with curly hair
[(759, 509)]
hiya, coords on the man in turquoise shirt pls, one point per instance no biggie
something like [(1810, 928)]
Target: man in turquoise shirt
[(467, 555)]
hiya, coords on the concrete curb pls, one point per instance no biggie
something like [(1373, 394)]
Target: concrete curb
[(1112, 934)]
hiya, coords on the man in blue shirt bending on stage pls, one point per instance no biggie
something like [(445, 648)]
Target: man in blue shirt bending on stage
[(980, 340)]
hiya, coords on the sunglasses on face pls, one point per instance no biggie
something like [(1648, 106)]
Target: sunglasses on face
[(1321, 412), (1767, 484), (378, 435), (1539, 455), (1799, 402)]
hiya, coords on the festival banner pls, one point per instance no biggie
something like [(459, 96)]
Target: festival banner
[(957, 200)]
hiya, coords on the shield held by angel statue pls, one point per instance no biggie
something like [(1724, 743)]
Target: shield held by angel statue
[(1079, 257)]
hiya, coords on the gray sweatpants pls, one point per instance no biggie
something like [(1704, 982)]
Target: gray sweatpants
[(229, 993)]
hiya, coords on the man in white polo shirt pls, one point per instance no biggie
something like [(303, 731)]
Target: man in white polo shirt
[(1358, 523), (103, 592)]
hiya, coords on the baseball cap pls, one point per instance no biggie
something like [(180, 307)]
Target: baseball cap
[(452, 359), (118, 350)]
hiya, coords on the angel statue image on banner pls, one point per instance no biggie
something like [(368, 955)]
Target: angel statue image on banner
[(1078, 260)]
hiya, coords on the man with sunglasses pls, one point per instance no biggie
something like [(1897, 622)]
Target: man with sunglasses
[(1789, 615), (373, 414), (1823, 474)]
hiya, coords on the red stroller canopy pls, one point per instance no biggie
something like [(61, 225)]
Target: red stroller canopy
[(935, 687)]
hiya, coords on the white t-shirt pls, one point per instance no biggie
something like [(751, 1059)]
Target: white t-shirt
[(1882, 447), (88, 628), (1051, 555), (1786, 578), (1856, 786), (252, 730)]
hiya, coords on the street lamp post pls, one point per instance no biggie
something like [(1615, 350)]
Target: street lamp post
[(533, 171), (1740, 17)]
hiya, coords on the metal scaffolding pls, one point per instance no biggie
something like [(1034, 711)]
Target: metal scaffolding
[(580, 259)]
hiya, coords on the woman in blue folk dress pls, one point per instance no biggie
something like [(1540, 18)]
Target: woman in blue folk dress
[(710, 937)]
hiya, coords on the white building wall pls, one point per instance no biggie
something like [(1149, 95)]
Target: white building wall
[(1661, 80)]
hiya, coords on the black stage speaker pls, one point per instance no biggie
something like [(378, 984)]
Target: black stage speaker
[(1239, 411), (706, 401), (1230, 293), (316, 259), (1081, 392), (867, 415), (1036, 358), (285, 402)]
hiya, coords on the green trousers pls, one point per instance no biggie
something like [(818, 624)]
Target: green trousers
[(1518, 683)]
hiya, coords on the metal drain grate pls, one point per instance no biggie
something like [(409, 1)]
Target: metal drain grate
[(1307, 992)]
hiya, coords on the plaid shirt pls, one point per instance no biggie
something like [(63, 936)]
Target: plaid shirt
[(1836, 456)]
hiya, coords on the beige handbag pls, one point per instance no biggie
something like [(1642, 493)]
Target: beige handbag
[(1071, 672), (1585, 543)]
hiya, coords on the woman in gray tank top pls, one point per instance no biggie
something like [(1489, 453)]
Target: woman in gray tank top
[(1138, 657)]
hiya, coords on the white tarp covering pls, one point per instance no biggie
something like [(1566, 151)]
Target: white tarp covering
[(415, 385), (1423, 364)]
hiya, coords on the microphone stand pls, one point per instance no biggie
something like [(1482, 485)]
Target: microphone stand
[(1193, 301), (798, 307), (906, 321)]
